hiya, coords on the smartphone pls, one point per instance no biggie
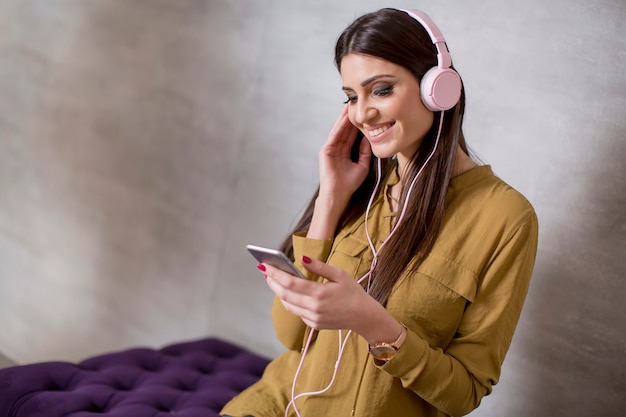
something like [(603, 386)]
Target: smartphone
[(275, 258)]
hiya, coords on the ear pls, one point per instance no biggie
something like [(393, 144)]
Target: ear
[(440, 89)]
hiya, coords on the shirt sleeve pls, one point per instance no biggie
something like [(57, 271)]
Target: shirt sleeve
[(290, 329), (456, 378)]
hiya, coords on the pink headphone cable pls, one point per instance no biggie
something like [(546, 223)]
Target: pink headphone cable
[(368, 274)]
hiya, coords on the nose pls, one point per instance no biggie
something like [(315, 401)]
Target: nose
[(364, 112)]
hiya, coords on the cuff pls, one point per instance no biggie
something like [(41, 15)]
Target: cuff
[(313, 248)]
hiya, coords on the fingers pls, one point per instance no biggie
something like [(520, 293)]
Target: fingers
[(340, 120), (338, 123), (322, 269), (365, 153), (320, 305), (297, 295), (290, 289), (343, 130)]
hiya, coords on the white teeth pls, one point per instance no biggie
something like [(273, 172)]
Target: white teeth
[(378, 131)]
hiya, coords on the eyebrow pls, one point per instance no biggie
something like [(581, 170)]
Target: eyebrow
[(370, 80)]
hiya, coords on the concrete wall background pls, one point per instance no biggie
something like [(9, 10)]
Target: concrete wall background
[(144, 143)]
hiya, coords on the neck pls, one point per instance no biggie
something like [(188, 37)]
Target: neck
[(462, 163)]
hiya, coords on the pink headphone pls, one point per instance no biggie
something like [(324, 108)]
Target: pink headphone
[(440, 87)]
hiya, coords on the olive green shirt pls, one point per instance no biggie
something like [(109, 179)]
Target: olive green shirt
[(460, 305)]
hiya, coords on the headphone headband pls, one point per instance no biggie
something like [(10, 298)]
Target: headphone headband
[(441, 85), (427, 22), (443, 55)]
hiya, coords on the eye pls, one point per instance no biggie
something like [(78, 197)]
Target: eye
[(351, 99), (385, 91)]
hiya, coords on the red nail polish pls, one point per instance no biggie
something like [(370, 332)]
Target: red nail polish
[(306, 260), (261, 267)]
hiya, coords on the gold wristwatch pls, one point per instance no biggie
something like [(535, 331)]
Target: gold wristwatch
[(383, 351)]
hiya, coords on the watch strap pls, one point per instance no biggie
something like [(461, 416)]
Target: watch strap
[(384, 351)]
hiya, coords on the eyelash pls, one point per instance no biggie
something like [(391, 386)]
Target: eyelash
[(383, 92)]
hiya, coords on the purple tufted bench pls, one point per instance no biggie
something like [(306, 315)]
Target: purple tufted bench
[(192, 379)]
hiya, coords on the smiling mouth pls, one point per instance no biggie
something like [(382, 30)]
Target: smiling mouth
[(379, 131)]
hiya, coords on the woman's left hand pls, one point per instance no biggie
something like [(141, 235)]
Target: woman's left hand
[(339, 303)]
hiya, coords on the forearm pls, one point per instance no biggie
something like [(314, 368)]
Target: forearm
[(456, 375), (437, 376), (326, 215), (376, 324)]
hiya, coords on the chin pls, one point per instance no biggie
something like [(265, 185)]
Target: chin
[(383, 153)]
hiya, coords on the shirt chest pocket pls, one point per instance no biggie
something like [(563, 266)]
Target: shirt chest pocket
[(432, 298), (351, 254)]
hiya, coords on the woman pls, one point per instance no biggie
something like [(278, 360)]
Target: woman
[(412, 311)]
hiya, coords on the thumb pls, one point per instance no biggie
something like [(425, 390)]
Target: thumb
[(322, 269)]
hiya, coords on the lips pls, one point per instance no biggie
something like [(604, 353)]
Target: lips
[(373, 133)]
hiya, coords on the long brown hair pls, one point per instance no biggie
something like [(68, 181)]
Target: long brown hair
[(396, 37)]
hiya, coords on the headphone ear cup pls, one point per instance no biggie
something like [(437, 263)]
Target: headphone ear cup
[(440, 88)]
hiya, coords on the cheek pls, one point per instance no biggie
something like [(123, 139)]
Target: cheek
[(419, 116)]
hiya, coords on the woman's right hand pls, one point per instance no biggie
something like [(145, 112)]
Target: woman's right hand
[(340, 177)]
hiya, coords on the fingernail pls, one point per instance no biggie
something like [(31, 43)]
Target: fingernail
[(306, 260), (261, 267)]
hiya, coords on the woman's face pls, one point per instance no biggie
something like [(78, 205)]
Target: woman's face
[(385, 104)]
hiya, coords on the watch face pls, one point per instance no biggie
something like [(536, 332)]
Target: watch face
[(383, 353)]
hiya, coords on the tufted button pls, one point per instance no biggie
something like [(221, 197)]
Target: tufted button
[(119, 386), (53, 386), (149, 368), (95, 409), (185, 388), (163, 409)]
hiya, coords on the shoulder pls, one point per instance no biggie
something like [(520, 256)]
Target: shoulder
[(485, 219), (483, 199), (483, 215)]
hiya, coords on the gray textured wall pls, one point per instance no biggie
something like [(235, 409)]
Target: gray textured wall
[(144, 143)]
